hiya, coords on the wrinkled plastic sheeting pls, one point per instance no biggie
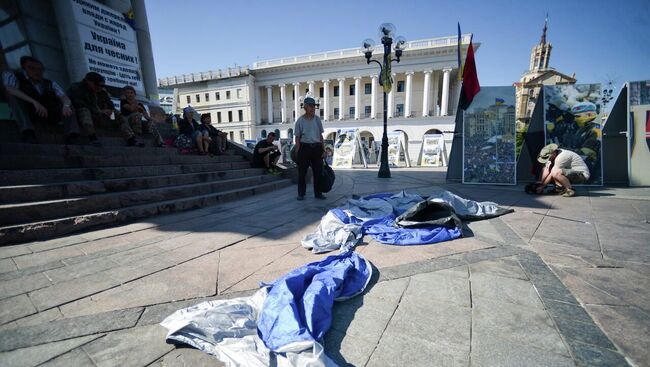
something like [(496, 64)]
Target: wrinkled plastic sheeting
[(389, 233), (298, 309), (227, 329), (401, 202), (333, 234), (470, 209)]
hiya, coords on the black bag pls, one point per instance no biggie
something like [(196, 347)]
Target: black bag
[(327, 177)]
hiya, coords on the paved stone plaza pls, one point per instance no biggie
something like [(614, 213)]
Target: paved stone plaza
[(559, 282)]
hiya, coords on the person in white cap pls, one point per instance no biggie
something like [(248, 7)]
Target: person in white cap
[(563, 167), (309, 146)]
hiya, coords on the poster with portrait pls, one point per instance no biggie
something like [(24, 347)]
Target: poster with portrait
[(489, 138), (572, 120), (639, 136), (345, 148), (434, 152)]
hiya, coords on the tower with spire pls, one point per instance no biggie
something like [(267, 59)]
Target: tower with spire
[(538, 75), (541, 53)]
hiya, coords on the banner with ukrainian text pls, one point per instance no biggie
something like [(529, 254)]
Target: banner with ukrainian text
[(108, 43)]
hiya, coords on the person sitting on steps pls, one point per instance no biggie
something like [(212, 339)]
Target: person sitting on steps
[(218, 142), (191, 134), (36, 99), (93, 104), (266, 154), (134, 112)]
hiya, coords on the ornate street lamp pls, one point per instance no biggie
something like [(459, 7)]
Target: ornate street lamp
[(386, 32)]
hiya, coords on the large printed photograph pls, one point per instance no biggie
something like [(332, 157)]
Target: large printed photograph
[(489, 137), (572, 115)]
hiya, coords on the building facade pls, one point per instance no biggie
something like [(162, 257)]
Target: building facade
[(250, 102)]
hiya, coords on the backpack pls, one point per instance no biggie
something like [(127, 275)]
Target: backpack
[(326, 179)]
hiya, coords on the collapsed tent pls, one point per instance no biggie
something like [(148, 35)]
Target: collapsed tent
[(282, 324), (398, 219)]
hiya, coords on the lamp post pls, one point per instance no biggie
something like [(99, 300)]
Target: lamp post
[(386, 32)]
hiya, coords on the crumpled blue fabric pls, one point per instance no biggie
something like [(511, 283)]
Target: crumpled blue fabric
[(387, 232), (298, 308)]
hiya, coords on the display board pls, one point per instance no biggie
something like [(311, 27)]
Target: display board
[(639, 136), (347, 148), (489, 138), (108, 43), (433, 151), (572, 120), (285, 149)]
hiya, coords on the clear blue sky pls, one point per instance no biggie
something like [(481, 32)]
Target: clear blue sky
[(599, 40)]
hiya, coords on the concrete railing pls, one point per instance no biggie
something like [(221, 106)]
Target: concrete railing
[(352, 52), (204, 76)]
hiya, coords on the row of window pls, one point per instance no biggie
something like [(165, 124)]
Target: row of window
[(399, 110), (217, 96), (240, 115), (367, 90)]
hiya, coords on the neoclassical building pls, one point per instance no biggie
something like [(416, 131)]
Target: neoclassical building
[(250, 102)]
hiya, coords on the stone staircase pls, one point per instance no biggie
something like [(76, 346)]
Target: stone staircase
[(50, 189)]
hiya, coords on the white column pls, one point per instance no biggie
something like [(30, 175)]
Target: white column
[(373, 97), (445, 92), (296, 101), (258, 106), (283, 103), (425, 94), (391, 96), (311, 89), (409, 95), (326, 102), (341, 97), (357, 97), (269, 101), (436, 91)]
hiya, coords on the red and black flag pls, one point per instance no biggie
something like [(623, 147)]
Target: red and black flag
[(471, 86)]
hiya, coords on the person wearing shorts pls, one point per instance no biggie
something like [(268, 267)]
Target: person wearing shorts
[(562, 167)]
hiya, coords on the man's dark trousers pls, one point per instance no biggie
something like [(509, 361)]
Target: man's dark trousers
[(309, 155)]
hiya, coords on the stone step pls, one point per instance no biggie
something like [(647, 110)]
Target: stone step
[(59, 150), (43, 192), (36, 211), (46, 176), (58, 227), (20, 162)]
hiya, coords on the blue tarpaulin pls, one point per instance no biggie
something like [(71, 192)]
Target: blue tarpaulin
[(298, 308)]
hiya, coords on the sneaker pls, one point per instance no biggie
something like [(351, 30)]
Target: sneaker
[(321, 196), (569, 193), (559, 190), (300, 198)]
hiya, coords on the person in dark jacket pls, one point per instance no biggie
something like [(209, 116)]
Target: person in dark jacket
[(93, 104), (137, 116), (218, 141), (190, 133), (266, 154), (36, 99)]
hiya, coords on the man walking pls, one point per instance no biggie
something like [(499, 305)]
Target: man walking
[(309, 146)]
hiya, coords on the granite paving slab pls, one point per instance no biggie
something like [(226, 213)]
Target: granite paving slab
[(34, 356)]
